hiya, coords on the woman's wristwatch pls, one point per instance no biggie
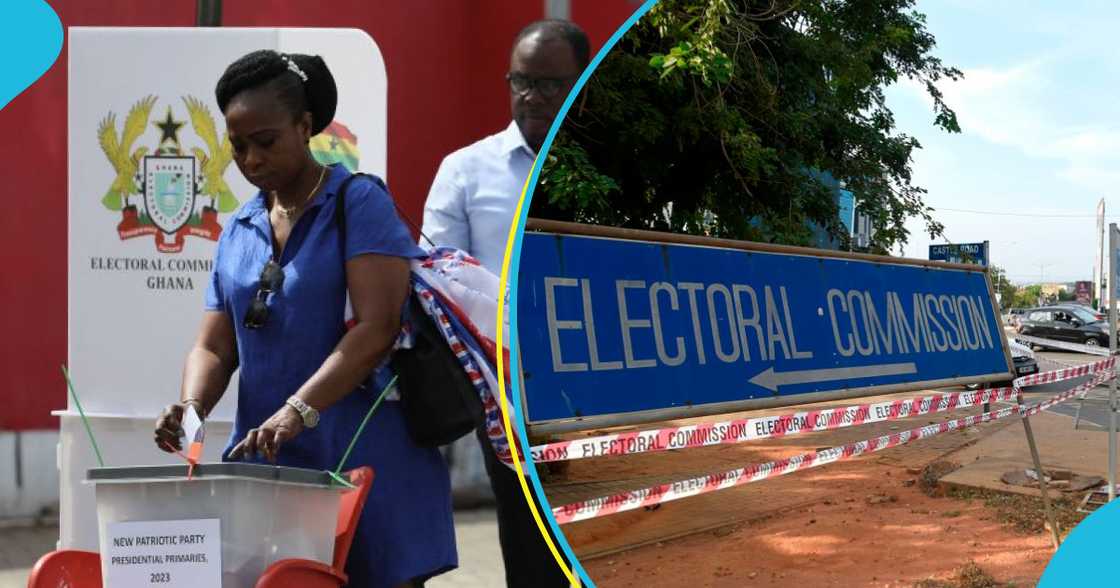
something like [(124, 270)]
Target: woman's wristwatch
[(309, 415)]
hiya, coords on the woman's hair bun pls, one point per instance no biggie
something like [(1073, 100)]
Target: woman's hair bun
[(316, 94), (322, 93)]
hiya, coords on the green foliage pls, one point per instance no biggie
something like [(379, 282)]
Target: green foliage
[(1028, 296), (711, 117), (1003, 286), (699, 55), (576, 184)]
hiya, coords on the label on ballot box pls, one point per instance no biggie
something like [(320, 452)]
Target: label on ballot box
[(163, 553)]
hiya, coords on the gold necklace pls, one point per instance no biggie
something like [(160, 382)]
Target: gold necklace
[(290, 212)]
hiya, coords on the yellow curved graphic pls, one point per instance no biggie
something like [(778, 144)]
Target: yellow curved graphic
[(514, 450)]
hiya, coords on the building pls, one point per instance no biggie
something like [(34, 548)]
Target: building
[(857, 225), (1054, 290)]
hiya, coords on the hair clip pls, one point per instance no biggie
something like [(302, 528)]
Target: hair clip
[(292, 67)]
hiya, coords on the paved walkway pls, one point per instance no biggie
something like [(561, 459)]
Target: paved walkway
[(1083, 450), (476, 532), (20, 547), (480, 556)]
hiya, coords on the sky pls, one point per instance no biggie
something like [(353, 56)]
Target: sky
[(1039, 110)]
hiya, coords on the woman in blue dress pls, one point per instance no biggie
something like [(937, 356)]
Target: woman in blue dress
[(275, 307)]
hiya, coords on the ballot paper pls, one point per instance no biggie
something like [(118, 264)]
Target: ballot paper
[(194, 432)]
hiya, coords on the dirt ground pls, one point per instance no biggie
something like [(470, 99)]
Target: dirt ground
[(872, 526), (863, 522)]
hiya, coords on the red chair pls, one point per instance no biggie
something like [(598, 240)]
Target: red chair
[(68, 568), (313, 574)]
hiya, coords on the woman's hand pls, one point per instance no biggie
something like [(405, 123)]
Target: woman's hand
[(266, 440), (169, 427)]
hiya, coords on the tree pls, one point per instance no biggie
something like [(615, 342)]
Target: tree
[(1028, 296), (723, 117), (1003, 286)]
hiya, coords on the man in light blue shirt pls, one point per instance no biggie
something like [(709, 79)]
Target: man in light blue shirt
[(470, 206), (471, 203)]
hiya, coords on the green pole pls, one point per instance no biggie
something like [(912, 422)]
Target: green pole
[(82, 413), (361, 427)]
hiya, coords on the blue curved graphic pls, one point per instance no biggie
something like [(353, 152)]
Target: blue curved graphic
[(515, 263), (31, 39), (1085, 558)]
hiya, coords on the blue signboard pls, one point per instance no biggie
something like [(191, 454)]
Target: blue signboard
[(613, 327), (974, 253)]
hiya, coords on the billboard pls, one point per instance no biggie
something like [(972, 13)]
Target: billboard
[(629, 329), (1084, 292)]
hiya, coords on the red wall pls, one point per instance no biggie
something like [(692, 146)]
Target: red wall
[(33, 225), (601, 18), (445, 62)]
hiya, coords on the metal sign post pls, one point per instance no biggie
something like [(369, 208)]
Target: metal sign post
[(1051, 520), (1113, 242), (621, 326)]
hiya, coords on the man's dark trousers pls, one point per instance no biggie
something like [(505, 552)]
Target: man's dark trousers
[(529, 562)]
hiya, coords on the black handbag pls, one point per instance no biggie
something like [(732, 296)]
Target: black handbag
[(439, 402)]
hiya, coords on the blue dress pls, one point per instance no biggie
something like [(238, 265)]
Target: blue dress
[(406, 530)]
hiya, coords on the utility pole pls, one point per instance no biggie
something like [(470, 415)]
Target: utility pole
[(208, 13), (1113, 243), (1042, 281), (1099, 268)]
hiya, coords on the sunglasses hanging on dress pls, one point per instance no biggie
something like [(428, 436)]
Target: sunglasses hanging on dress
[(272, 278)]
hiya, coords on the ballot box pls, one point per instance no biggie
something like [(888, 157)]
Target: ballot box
[(222, 526)]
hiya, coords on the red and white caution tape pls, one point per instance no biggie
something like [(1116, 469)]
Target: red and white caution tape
[(750, 429), (631, 500), (1066, 373)]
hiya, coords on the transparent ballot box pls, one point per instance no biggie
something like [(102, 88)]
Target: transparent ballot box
[(156, 525)]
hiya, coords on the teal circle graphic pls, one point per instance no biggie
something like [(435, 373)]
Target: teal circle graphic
[(1085, 557), (30, 40)]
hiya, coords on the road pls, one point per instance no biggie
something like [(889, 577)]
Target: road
[(1094, 409)]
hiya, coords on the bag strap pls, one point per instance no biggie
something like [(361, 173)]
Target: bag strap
[(340, 208)]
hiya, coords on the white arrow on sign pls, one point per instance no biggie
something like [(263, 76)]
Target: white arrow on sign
[(771, 380)]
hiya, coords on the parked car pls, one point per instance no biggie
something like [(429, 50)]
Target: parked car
[(1012, 317), (1098, 315), (1075, 324), (1024, 364)]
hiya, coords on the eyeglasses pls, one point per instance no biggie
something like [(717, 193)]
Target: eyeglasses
[(546, 87), (272, 278)]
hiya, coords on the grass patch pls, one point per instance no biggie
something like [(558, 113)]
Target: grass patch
[(1024, 514), (928, 479), (969, 575)]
